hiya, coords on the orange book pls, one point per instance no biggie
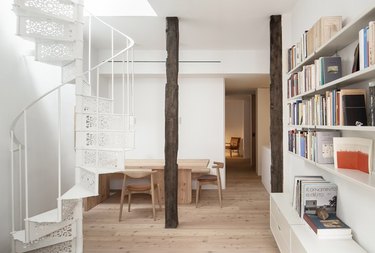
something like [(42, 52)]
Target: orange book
[(353, 153)]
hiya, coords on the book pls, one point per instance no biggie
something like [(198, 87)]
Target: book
[(371, 43), (354, 110), (331, 228), (348, 112), (361, 43), (324, 146), (325, 28), (353, 153), (331, 68), (315, 194), (297, 187), (355, 66)]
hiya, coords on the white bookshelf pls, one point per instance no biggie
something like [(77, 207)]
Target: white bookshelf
[(359, 178), (353, 78), (347, 35), (343, 128), (291, 233)]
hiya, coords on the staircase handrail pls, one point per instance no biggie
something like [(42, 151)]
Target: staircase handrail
[(131, 44)]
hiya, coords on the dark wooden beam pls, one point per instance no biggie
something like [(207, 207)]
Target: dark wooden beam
[(171, 125), (276, 96)]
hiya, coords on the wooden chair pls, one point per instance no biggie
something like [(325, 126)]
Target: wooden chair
[(233, 145), (211, 179), (139, 188)]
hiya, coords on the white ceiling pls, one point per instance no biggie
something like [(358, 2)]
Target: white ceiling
[(205, 25)]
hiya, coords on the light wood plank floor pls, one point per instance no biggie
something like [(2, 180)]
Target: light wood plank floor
[(242, 225)]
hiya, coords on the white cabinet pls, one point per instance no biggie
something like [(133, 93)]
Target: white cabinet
[(293, 235)]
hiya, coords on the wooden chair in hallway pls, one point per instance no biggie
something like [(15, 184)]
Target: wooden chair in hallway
[(141, 187), (211, 179), (233, 145)]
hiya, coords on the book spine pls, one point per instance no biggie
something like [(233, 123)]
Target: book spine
[(310, 223)]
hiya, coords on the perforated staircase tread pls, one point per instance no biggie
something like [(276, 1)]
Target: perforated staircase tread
[(20, 236), (49, 216), (102, 170), (77, 192), (21, 11)]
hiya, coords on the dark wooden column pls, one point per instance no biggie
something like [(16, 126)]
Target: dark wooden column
[(276, 96), (171, 125)]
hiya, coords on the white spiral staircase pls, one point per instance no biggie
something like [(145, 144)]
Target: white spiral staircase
[(104, 128)]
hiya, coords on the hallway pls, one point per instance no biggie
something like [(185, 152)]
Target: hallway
[(242, 225)]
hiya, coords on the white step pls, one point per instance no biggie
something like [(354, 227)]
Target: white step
[(108, 159), (87, 104), (59, 245), (107, 122), (63, 234), (54, 52), (57, 9), (49, 216), (19, 236), (42, 28), (78, 192)]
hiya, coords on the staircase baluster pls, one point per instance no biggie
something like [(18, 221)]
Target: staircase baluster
[(12, 177), (112, 66), (132, 83), (27, 236), (89, 56), (127, 79), (20, 183), (97, 118), (59, 153)]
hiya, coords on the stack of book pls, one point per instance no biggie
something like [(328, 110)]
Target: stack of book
[(345, 107), (311, 40), (316, 146), (324, 70), (311, 193), (367, 46)]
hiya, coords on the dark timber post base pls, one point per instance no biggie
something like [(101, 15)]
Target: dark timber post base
[(276, 104), (171, 125)]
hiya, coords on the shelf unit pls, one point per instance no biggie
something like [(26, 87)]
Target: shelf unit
[(343, 128), (356, 77), (293, 235), (343, 38), (359, 178), (290, 231)]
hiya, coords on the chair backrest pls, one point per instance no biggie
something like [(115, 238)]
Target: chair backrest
[(235, 142), (218, 166), (138, 173)]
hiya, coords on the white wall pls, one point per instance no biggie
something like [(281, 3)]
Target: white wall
[(23, 80), (355, 204), (201, 112), (263, 124)]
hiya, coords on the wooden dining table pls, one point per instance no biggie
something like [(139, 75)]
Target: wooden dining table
[(188, 169)]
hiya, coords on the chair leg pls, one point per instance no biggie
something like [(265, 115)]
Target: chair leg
[(129, 200), (153, 202), (197, 194), (230, 151), (159, 201), (122, 199), (220, 193)]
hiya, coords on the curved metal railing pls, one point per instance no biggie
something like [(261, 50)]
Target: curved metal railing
[(19, 149)]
